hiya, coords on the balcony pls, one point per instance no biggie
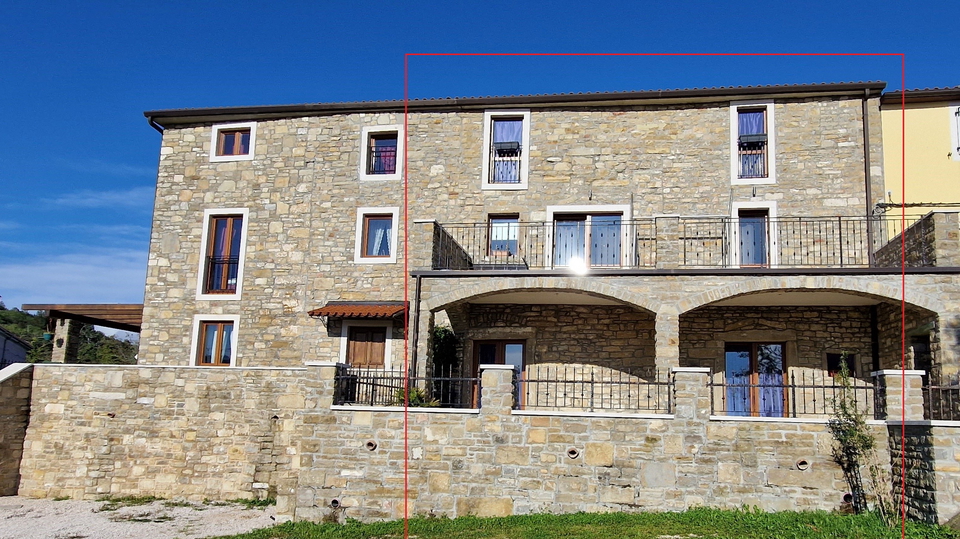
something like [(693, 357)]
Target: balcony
[(747, 241)]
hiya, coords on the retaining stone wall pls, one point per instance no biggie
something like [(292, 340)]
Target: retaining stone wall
[(197, 432), (14, 417)]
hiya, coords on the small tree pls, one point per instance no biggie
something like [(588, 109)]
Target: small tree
[(854, 446)]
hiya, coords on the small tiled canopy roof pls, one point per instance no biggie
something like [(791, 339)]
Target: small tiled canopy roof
[(359, 309)]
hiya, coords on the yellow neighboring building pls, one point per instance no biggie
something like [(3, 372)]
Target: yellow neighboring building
[(932, 149)]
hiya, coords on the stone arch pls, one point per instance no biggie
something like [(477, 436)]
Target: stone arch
[(590, 286), (862, 286)]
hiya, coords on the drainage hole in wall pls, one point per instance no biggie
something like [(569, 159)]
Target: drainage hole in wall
[(371, 445), (334, 503), (848, 498), (802, 465), (573, 452)]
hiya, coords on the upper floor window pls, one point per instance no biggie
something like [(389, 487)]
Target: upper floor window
[(381, 153), (376, 235), (506, 141), (233, 142), (752, 141), (590, 236), (504, 235), (222, 265)]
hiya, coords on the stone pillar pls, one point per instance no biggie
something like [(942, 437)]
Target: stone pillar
[(668, 242), (297, 494), (420, 246), (496, 389), (66, 340), (692, 394), (946, 348), (424, 340), (904, 394), (667, 339), (946, 239)]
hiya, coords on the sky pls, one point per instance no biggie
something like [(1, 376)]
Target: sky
[(78, 160)]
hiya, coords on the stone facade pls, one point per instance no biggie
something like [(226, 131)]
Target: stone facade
[(302, 192)]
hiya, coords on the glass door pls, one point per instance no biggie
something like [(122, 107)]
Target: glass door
[(755, 379), (753, 228)]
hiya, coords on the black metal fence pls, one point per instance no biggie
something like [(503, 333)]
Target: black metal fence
[(701, 242), (941, 402), (591, 388), (785, 241), (379, 387), (521, 246), (797, 395), (221, 275)]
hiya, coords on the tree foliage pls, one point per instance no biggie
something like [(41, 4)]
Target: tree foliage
[(94, 347)]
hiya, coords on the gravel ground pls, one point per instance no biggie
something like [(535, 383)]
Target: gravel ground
[(27, 518)]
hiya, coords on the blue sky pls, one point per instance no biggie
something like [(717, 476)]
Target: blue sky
[(78, 160)]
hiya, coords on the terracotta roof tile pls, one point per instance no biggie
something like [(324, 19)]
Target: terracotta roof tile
[(336, 309)]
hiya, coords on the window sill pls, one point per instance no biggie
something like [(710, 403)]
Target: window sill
[(215, 297), (753, 181), (504, 186)]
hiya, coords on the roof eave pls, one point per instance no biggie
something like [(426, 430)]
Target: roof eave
[(182, 117)]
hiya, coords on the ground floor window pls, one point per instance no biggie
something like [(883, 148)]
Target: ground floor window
[(498, 352), (216, 343), (754, 378), (366, 346)]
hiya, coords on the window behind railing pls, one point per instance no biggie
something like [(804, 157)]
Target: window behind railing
[(801, 394)]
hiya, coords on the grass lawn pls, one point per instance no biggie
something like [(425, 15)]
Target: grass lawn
[(707, 523)]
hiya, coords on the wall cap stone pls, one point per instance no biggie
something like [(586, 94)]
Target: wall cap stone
[(424, 221), (793, 420), (497, 368), (324, 364), (14, 369), (186, 367), (897, 372), (705, 370)]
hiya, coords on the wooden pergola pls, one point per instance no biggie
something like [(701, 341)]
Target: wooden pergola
[(123, 316)]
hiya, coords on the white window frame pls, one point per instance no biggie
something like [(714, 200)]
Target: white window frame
[(204, 244), (626, 247), (394, 212), (215, 136), (347, 323), (365, 135), (735, 107), (195, 341), (955, 131), (773, 256), (488, 117)]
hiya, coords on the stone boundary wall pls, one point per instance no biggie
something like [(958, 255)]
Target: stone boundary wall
[(15, 382), (164, 431), (255, 432)]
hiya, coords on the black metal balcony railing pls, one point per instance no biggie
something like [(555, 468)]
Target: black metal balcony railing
[(379, 387), (753, 159), (693, 242), (796, 396), (221, 275), (505, 162), (591, 388), (382, 160), (630, 244), (941, 402)]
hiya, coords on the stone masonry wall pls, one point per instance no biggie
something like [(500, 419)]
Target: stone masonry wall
[(14, 417), (302, 191), (192, 432), (612, 336), (499, 462)]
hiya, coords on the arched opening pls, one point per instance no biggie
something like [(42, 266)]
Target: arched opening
[(776, 353), (572, 349)]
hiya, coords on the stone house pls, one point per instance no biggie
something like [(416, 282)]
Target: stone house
[(651, 293)]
